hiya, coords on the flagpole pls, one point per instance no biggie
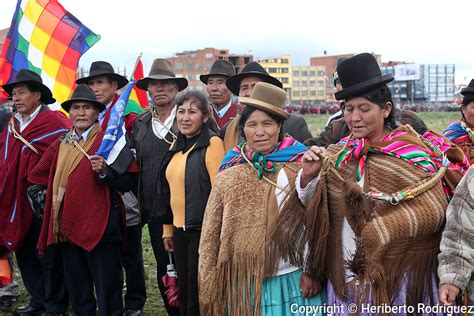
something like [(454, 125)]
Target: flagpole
[(136, 65)]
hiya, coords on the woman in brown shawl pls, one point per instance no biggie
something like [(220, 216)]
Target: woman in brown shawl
[(249, 188), (375, 203)]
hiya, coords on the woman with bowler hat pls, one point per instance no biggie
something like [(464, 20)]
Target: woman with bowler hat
[(374, 203)]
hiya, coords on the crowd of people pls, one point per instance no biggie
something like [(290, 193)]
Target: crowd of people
[(258, 216)]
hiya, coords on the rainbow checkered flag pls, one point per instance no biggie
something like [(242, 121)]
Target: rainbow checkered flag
[(48, 40)]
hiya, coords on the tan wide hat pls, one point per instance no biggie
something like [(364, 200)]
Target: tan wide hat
[(268, 98), (162, 69)]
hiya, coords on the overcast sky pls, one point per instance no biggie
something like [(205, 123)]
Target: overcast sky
[(417, 31)]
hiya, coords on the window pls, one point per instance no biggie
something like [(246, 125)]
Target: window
[(296, 82), (313, 93), (209, 55), (189, 66), (296, 73), (284, 70), (312, 83), (304, 73), (273, 70), (320, 93), (197, 66), (284, 60), (320, 83), (304, 94), (285, 80), (304, 83), (178, 66), (312, 73), (320, 73), (296, 93)]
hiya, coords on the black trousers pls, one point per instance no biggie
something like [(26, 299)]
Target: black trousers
[(186, 245), (100, 269), (132, 261), (161, 256), (42, 275)]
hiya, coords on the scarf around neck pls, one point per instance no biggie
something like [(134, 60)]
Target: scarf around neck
[(459, 132), (428, 152), (288, 150)]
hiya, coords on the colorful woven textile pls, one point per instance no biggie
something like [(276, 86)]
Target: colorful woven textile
[(289, 149), (428, 158), (459, 132), (48, 40)]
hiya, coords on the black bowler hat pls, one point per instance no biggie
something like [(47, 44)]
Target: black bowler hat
[(468, 93), (103, 68), (29, 77), (250, 70), (219, 68), (469, 89), (83, 93), (162, 69), (358, 75)]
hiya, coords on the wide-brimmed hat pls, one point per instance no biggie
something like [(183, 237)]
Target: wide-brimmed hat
[(103, 68), (360, 74), (252, 69), (162, 69), (29, 77), (219, 68), (268, 98), (83, 93)]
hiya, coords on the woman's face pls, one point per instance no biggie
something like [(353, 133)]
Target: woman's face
[(365, 118), (468, 112), (190, 118), (261, 132)]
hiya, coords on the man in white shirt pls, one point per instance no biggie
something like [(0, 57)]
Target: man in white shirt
[(153, 134)]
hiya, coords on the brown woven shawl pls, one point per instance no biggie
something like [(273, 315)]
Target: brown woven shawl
[(393, 242), (233, 239)]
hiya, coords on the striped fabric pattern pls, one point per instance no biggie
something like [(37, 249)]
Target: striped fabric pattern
[(289, 149), (48, 40), (458, 132)]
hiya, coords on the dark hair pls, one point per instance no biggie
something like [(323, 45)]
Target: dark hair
[(381, 96), (248, 110), (197, 98)]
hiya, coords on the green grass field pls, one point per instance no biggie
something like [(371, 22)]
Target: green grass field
[(436, 121)]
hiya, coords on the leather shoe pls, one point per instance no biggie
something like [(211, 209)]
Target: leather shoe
[(29, 310), (132, 312)]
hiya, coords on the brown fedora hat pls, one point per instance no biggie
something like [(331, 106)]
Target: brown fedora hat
[(268, 98), (220, 67), (162, 69), (25, 76), (103, 68)]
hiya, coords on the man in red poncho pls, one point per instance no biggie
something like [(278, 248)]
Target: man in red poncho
[(22, 143), (83, 209)]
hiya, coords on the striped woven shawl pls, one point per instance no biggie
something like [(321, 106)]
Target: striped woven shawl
[(393, 242)]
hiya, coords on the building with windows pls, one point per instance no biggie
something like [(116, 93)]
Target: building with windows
[(192, 64), (280, 68), (309, 85), (432, 83)]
